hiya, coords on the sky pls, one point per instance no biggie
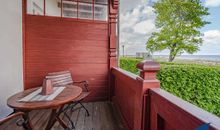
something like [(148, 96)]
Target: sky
[(137, 20)]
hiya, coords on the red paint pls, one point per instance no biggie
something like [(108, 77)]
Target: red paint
[(24, 10), (169, 112), (113, 62), (144, 106), (129, 96), (87, 48), (55, 44), (125, 96)]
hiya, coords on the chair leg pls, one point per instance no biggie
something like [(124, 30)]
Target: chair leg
[(71, 122), (22, 123), (72, 107), (27, 125), (84, 108)]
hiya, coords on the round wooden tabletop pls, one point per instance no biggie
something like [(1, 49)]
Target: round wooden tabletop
[(70, 93)]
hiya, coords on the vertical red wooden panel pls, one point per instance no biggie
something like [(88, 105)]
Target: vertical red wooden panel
[(24, 10), (87, 56), (55, 44), (130, 94), (113, 61), (126, 93)]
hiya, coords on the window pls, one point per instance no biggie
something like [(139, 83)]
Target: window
[(81, 9), (85, 10), (105, 2), (52, 7), (100, 12), (69, 9), (35, 7)]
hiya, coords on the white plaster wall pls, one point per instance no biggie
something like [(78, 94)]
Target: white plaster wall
[(11, 79)]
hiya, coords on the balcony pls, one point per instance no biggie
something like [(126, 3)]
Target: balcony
[(119, 100), (137, 104), (102, 117)]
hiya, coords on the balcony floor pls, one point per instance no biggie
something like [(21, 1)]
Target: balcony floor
[(102, 117)]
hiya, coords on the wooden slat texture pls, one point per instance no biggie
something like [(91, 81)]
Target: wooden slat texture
[(168, 112), (102, 117), (55, 44), (60, 78), (126, 92), (129, 92)]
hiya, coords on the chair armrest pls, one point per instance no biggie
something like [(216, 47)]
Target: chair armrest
[(84, 81), (14, 115), (85, 84)]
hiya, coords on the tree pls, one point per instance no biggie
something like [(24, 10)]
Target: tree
[(179, 23)]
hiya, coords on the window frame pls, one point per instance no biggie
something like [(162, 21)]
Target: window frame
[(93, 3)]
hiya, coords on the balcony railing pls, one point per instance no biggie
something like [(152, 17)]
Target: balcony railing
[(140, 103), (144, 106)]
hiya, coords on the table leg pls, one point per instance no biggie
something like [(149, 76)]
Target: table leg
[(62, 123), (27, 125), (55, 117), (52, 119)]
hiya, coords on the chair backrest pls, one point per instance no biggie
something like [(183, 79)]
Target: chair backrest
[(61, 78), (12, 121)]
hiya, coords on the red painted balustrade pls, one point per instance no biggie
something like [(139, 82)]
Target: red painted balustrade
[(130, 92), (144, 106), (168, 112)]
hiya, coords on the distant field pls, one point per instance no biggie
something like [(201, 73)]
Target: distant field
[(198, 84)]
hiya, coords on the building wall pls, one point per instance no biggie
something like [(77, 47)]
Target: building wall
[(11, 80), (57, 44)]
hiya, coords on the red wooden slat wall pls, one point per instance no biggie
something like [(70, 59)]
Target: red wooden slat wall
[(56, 44)]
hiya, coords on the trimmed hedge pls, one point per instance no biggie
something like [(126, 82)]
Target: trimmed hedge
[(195, 83), (129, 64)]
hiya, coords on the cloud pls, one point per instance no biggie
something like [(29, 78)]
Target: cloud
[(212, 3), (136, 26), (137, 22), (129, 4), (145, 27), (212, 37), (211, 44)]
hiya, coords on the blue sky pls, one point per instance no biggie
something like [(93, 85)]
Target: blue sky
[(137, 20), (214, 17)]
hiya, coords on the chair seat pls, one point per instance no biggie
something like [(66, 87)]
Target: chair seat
[(82, 96)]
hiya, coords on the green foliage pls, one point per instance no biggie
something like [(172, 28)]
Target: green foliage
[(179, 22), (197, 84), (129, 64)]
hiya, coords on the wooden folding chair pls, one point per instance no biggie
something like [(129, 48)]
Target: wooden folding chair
[(63, 78), (13, 121)]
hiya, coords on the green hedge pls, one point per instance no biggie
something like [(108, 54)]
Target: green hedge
[(197, 84), (129, 64)]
